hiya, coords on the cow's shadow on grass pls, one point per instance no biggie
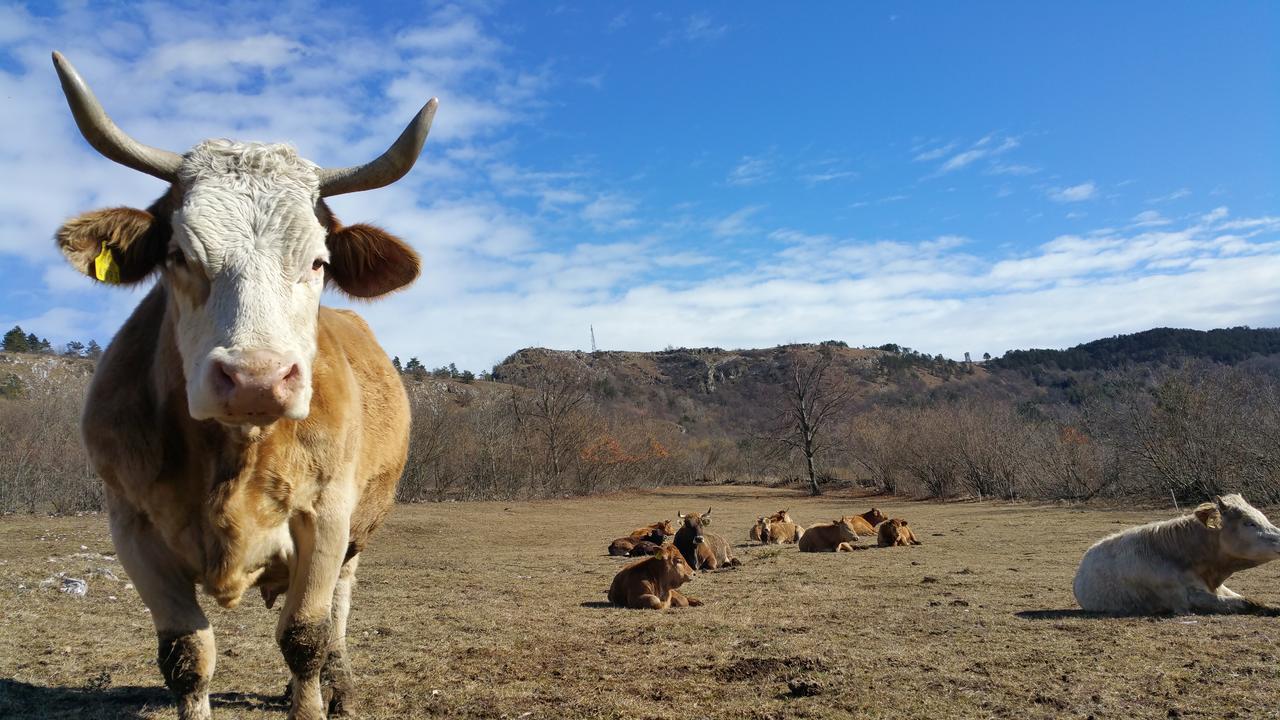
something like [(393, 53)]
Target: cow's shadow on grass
[(1057, 614), (597, 604), (1256, 609), (20, 700)]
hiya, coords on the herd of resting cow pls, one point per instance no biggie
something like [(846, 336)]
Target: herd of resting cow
[(1171, 566), (651, 583), (248, 437)]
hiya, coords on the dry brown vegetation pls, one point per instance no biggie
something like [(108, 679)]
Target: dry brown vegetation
[(496, 609), (579, 424)]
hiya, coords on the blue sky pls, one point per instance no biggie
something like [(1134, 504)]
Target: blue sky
[(955, 177)]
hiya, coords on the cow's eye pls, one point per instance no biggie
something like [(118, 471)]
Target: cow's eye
[(177, 258)]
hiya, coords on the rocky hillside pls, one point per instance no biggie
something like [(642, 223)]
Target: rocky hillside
[(706, 388)]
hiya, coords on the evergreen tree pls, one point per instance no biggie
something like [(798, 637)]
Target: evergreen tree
[(93, 350), (395, 363), (75, 348), (16, 341), (414, 367)]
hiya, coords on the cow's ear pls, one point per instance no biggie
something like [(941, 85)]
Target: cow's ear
[(1209, 516), (118, 246), (367, 261)]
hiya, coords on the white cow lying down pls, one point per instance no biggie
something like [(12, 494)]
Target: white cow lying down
[(1178, 566)]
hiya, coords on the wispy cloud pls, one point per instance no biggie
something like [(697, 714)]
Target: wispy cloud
[(818, 178), (879, 201), (1175, 195), (988, 147), (1149, 218), (610, 212), (699, 27), (750, 170), (1002, 168), (1075, 193), (736, 223)]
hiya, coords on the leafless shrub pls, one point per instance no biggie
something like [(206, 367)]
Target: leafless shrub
[(43, 467)]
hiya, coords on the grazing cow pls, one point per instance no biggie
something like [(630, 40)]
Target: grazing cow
[(1178, 566), (835, 537), (895, 533), (703, 550), (865, 524), (245, 435), (650, 584), (777, 533), (654, 534)]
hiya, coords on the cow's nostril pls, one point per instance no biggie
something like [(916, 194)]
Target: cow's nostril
[(294, 373), (224, 377)]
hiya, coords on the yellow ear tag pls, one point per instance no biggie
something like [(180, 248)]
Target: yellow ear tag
[(105, 267)]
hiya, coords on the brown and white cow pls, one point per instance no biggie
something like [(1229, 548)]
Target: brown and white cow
[(1179, 565), (246, 436), (838, 536), (650, 584), (703, 550), (895, 533)]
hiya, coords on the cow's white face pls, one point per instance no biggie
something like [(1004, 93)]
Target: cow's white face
[(246, 267), (1246, 532)]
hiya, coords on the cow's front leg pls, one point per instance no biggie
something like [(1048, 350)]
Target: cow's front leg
[(185, 650), (320, 541), (336, 685)]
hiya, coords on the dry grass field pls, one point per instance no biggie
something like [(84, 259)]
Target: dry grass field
[(496, 610)]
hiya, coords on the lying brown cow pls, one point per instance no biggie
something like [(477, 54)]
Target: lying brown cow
[(663, 529), (703, 550), (650, 584), (865, 524), (776, 533), (838, 536), (644, 548), (758, 530), (895, 533), (654, 534)]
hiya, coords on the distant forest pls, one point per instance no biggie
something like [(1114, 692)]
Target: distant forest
[(1159, 345)]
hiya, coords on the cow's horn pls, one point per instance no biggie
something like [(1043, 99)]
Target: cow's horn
[(387, 168), (103, 134)]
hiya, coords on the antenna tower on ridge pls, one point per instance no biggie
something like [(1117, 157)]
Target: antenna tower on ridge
[(593, 337)]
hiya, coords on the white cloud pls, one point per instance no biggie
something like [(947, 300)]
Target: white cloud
[(750, 171), (1175, 195), (985, 147), (1075, 193), (1149, 218), (736, 223), (610, 212)]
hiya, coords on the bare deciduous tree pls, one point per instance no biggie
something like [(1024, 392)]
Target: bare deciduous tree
[(812, 399)]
